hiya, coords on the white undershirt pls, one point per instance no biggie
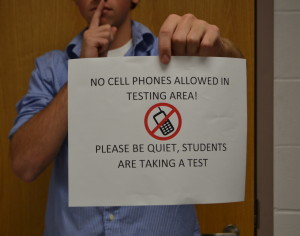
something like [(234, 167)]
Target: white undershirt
[(120, 52)]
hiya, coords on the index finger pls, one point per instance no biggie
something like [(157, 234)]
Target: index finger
[(95, 22), (165, 38)]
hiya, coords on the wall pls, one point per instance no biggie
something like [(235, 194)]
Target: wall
[(287, 118)]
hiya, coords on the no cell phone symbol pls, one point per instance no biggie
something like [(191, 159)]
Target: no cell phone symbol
[(167, 127), (163, 121)]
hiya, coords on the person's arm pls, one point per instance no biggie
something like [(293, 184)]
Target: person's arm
[(188, 36), (36, 143)]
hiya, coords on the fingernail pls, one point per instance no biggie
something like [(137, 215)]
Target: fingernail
[(165, 59)]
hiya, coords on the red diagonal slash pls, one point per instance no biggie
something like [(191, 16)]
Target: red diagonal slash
[(172, 111), (162, 122)]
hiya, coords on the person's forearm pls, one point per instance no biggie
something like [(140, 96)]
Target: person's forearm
[(38, 141)]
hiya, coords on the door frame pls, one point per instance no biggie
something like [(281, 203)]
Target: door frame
[(264, 117)]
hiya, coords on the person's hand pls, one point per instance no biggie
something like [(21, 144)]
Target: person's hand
[(188, 36), (97, 38)]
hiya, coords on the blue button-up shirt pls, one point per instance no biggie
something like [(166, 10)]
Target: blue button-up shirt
[(47, 79)]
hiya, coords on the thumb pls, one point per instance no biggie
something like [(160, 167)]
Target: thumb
[(113, 32)]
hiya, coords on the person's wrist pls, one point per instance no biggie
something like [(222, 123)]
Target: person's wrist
[(88, 52)]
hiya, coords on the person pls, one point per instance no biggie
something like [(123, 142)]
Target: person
[(39, 135)]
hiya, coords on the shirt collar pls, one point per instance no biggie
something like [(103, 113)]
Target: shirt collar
[(74, 47), (142, 39)]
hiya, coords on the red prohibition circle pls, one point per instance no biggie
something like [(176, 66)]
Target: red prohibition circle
[(173, 110)]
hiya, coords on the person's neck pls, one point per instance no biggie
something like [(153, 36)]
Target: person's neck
[(123, 35)]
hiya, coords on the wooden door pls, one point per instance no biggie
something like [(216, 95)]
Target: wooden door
[(235, 18), (31, 28)]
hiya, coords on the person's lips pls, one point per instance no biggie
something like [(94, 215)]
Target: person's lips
[(106, 10)]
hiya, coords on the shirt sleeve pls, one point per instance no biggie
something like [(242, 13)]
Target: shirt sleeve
[(41, 91)]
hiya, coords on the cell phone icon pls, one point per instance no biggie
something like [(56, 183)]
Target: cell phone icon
[(167, 126)]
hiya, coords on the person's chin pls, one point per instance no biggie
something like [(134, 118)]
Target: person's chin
[(106, 20)]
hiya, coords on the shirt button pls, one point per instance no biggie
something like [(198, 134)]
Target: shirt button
[(111, 217)]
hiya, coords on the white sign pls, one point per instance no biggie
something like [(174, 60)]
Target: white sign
[(144, 133)]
